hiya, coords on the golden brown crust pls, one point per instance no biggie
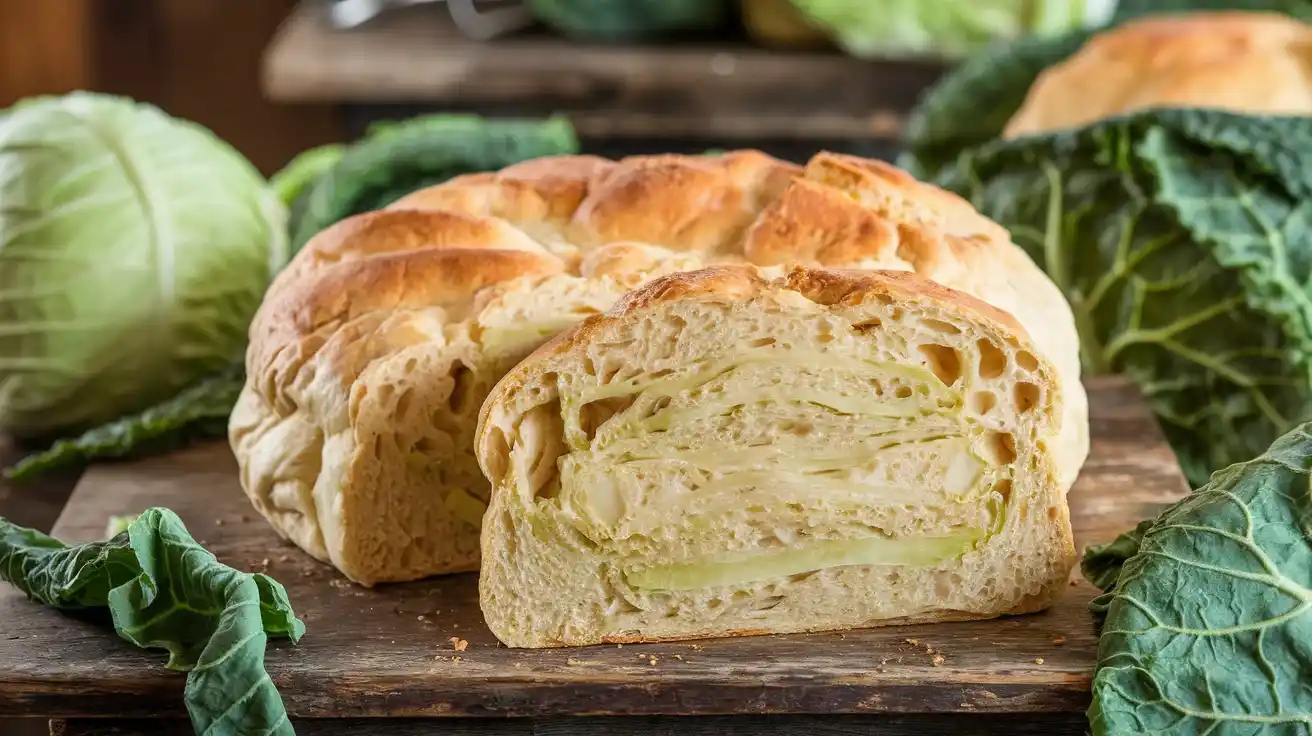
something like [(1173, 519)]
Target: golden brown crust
[(451, 282), (338, 294), (831, 287), (1243, 61)]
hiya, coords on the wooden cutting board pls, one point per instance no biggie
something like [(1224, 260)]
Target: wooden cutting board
[(388, 651)]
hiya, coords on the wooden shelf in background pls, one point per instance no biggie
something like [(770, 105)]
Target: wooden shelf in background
[(727, 89)]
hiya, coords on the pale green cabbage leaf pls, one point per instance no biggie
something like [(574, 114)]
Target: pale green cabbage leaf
[(134, 249), (950, 28)]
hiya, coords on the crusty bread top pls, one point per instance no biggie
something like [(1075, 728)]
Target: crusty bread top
[(828, 287), (442, 247), (1241, 61)]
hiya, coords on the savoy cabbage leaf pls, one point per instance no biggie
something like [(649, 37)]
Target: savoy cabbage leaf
[(972, 105), (1181, 240), (1208, 626), (165, 591)]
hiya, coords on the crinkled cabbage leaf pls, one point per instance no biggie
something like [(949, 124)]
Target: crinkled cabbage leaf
[(1181, 240), (165, 591), (1208, 625)]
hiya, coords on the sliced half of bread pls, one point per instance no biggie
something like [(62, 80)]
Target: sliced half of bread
[(726, 453)]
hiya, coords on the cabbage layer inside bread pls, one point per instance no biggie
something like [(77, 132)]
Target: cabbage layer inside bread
[(725, 454)]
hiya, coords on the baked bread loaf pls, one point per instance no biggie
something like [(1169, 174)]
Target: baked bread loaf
[(374, 349), (725, 453), (1240, 61)]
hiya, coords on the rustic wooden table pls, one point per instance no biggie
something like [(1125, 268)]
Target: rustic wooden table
[(34, 504), (377, 663)]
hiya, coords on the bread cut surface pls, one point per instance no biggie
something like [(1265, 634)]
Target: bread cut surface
[(375, 348), (1234, 60), (726, 453)]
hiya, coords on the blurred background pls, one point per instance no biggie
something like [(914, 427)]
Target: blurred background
[(275, 77)]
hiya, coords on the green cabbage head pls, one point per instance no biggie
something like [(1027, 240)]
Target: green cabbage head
[(134, 250), (952, 28)]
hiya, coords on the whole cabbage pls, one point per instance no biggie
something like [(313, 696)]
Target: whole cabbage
[(951, 28), (134, 250)]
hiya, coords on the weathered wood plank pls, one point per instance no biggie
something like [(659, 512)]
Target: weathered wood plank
[(898, 725), (713, 89), (387, 651), (35, 503)]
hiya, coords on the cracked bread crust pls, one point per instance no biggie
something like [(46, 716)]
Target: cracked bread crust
[(374, 349), (1235, 60)]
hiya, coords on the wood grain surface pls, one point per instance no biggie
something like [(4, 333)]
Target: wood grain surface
[(389, 651), (725, 89), (1048, 724)]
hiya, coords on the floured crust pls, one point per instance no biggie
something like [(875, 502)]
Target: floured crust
[(1241, 61), (373, 349)]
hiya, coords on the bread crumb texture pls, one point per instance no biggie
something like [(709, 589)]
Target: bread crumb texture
[(1233, 60), (729, 452), (375, 349)]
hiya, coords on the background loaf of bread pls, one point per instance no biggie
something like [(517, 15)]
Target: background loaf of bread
[(1233, 60), (374, 350)]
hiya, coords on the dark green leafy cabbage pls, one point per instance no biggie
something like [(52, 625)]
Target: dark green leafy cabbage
[(199, 412), (1181, 239), (1126, 9), (1208, 625), (165, 591), (972, 105), (398, 158), (607, 20), (1102, 562)]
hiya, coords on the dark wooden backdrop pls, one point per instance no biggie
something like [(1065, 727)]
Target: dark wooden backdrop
[(198, 59)]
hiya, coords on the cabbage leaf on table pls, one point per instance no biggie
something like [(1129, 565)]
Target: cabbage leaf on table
[(165, 591), (1209, 614)]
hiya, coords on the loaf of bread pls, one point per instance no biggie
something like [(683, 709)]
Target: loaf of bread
[(726, 453), (1240, 61), (374, 350)]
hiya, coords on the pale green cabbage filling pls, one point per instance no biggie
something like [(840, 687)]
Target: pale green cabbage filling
[(740, 569), (608, 492)]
